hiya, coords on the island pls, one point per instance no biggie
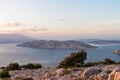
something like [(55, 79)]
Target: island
[(116, 51), (53, 44)]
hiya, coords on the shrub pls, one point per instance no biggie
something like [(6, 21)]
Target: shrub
[(108, 61), (74, 60), (2, 67), (37, 65), (88, 65), (13, 66), (32, 66), (4, 74)]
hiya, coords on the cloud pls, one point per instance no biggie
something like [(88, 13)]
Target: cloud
[(11, 24), (17, 27), (62, 19), (33, 29), (15, 24)]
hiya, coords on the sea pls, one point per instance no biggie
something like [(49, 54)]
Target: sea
[(51, 57)]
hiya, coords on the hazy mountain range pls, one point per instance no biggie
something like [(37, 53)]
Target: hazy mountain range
[(17, 38), (14, 38), (100, 41)]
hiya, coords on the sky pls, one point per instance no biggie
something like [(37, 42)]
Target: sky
[(61, 19)]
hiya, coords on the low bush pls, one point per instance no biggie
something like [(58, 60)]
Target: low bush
[(13, 66), (106, 61), (32, 66), (4, 74)]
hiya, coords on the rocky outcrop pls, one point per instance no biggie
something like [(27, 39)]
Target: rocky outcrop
[(117, 76), (42, 44), (103, 75), (89, 72), (108, 72), (113, 73)]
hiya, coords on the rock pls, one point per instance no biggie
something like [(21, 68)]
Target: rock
[(89, 72), (103, 75), (60, 71), (112, 74), (117, 76)]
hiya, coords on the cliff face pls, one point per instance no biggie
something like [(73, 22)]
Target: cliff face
[(74, 45)]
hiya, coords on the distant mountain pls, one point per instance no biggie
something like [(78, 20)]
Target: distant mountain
[(51, 44), (106, 42), (99, 41), (88, 40), (14, 38)]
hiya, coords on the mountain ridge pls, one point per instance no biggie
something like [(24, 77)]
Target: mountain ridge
[(14, 38)]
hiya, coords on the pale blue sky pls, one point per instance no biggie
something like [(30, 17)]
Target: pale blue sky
[(61, 19)]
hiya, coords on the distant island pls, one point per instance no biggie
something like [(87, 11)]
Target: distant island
[(105, 42), (52, 44), (117, 51)]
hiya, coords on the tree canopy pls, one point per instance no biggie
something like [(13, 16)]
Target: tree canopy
[(74, 60)]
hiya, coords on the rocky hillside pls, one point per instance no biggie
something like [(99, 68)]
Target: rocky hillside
[(74, 45), (101, 72)]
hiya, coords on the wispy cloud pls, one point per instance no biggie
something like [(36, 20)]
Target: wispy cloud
[(33, 29), (11, 24), (17, 27)]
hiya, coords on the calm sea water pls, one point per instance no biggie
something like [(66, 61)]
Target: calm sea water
[(50, 57)]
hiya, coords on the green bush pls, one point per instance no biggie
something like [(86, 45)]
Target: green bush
[(32, 66), (74, 60), (87, 65), (37, 65), (13, 66), (108, 61), (4, 74)]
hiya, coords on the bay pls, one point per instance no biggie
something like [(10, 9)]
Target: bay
[(50, 57)]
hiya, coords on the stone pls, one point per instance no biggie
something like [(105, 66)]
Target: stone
[(89, 72), (112, 74), (103, 75), (60, 71), (117, 76)]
